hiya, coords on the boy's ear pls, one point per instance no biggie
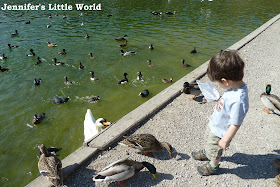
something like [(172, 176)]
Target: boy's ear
[(224, 81)]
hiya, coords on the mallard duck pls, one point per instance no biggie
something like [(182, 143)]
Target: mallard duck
[(52, 44), (123, 169), (124, 44), (125, 80), (185, 65), (146, 143), (93, 99), (151, 47), (50, 166), (38, 118), (277, 177), (140, 76), (144, 93), (191, 89), (121, 38), (48, 25), (37, 82), (67, 82), (60, 99), (3, 57), (270, 101), (52, 150), (57, 63), (63, 52), (92, 77), (170, 13), (31, 53), (127, 53), (15, 33), (87, 36), (194, 50), (150, 64), (12, 46), (3, 69), (92, 127), (167, 80), (81, 66), (91, 56)]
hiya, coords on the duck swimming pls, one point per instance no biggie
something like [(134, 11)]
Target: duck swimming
[(57, 63), (144, 93), (28, 22), (3, 69), (67, 82), (150, 64), (52, 44), (124, 44), (140, 76), (63, 52), (91, 56), (93, 99), (15, 34), (50, 166), (38, 61), (87, 36), (146, 143), (170, 13), (3, 57), (60, 99), (92, 127), (81, 66), (123, 169), (185, 65), (194, 50), (92, 77), (125, 80), (270, 101), (167, 80), (127, 53), (38, 119), (121, 38), (12, 46), (48, 25), (151, 47), (37, 82), (31, 53)]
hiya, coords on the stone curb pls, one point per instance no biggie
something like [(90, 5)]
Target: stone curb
[(134, 118)]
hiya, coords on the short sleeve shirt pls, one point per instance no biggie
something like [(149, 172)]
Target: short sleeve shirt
[(230, 109)]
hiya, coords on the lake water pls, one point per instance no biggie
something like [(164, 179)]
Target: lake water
[(207, 25)]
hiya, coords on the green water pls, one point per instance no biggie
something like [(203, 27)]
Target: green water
[(208, 26)]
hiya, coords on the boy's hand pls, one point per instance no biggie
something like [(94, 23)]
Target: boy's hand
[(223, 144)]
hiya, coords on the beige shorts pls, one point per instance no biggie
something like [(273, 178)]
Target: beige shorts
[(213, 150)]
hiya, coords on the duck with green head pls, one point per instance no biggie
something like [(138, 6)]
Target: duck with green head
[(270, 101)]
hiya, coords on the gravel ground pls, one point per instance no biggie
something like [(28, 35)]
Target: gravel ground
[(182, 122)]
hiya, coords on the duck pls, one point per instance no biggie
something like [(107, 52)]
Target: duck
[(194, 50), (48, 25), (12, 46), (92, 127), (93, 99), (146, 143), (167, 80), (91, 56), (60, 99), (50, 166), (52, 44), (38, 118), (156, 13), (92, 77), (127, 53), (37, 82), (3, 57), (67, 82), (270, 101), (3, 69), (123, 169), (63, 52), (87, 36), (144, 93), (125, 80), (56, 14), (31, 53), (52, 150), (121, 38), (151, 47), (82, 24), (150, 64), (57, 63), (124, 44), (81, 66), (170, 13), (50, 16), (15, 33), (277, 177), (38, 61), (64, 17), (185, 65), (140, 76), (28, 22), (192, 89)]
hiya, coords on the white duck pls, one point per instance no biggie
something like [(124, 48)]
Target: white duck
[(92, 127)]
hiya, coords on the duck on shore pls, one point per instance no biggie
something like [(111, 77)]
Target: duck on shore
[(270, 101)]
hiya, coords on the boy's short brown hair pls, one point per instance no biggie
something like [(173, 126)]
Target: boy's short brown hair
[(226, 64)]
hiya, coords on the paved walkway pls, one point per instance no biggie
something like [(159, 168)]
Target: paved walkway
[(182, 122)]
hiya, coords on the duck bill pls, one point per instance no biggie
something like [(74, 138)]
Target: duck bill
[(170, 154), (155, 176)]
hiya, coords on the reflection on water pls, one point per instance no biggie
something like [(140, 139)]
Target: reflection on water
[(208, 25)]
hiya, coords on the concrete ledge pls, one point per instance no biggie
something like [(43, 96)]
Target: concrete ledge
[(115, 132)]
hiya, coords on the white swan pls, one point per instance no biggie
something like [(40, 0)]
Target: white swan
[(92, 127)]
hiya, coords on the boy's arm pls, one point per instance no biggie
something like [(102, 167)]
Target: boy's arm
[(223, 143)]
